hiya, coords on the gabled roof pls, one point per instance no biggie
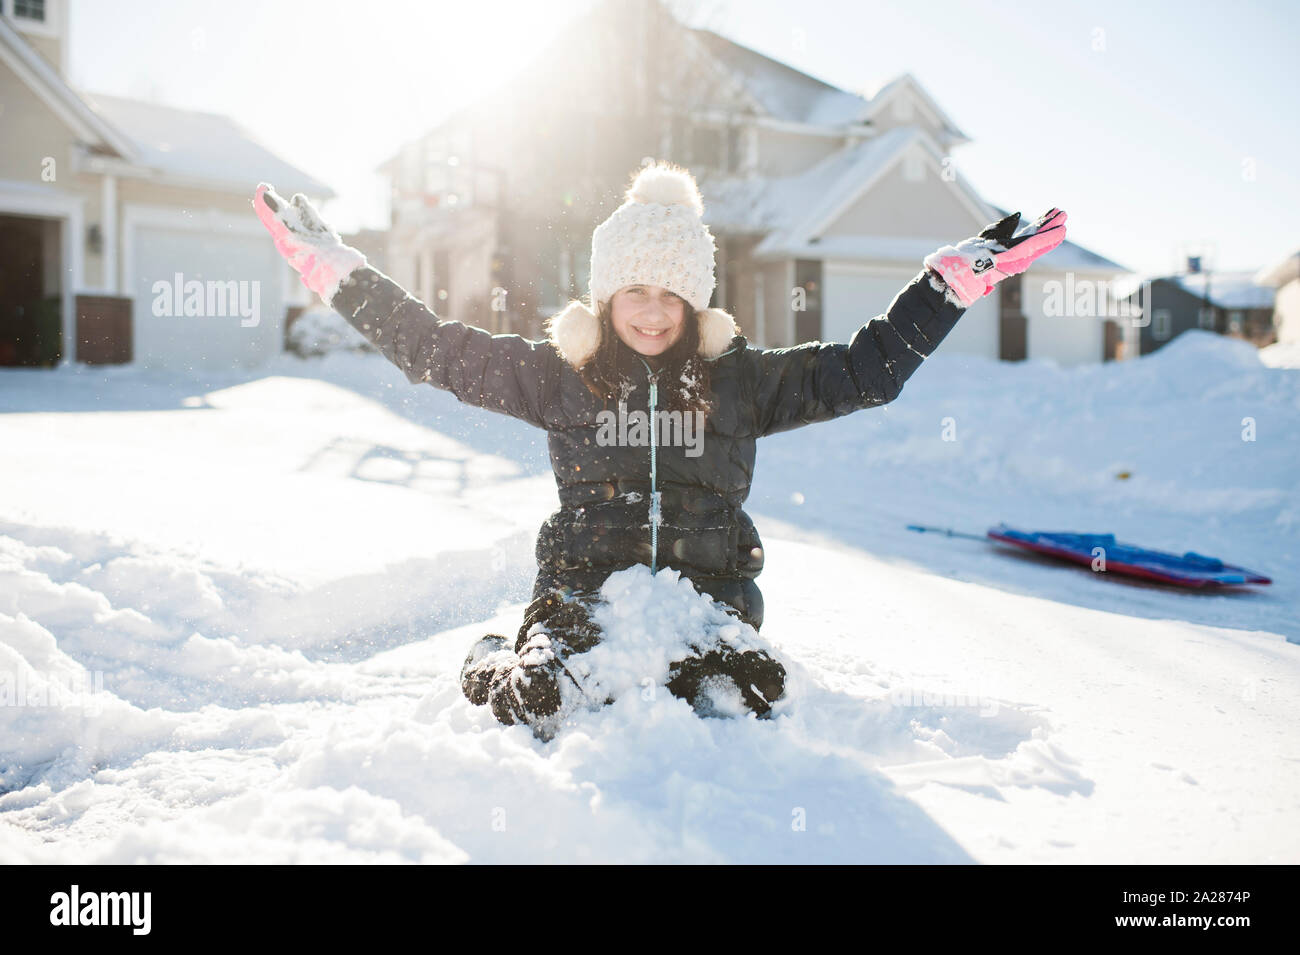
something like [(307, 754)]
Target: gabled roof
[(795, 209), (790, 94), (1228, 289), (908, 85), (205, 149), (184, 146), (783, 91), (1237, 289), (45, 81)]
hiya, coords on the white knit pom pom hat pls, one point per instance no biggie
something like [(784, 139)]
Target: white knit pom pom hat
[(656, 237)]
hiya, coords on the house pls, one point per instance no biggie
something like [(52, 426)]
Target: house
[(126, 232), (1284, 279), (1230, 303), (823, 201)]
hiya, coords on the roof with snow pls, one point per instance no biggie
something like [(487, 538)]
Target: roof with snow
[(776, 203), (1228, 289), (206, 149), (1233, 290), (789, 208), (790, 94), (785, 92)]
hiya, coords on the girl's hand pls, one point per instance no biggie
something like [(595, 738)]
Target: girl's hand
[(311, 247), (972, 267)]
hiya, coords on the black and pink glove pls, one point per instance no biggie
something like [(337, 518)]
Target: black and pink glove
[(312, 248), (971, 268)]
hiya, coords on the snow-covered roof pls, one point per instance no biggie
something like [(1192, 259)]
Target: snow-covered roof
[(786, 93), (1235, 290), (205, 149), (899, 86), (779, 203), (1228, 289)]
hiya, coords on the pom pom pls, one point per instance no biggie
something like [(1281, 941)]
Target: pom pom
[(667, 184)]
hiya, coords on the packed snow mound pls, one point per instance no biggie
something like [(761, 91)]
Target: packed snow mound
[(648, 622), (1281, 355), (1198, 350), (321, 330)]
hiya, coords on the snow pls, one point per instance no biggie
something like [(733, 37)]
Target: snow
[(1236, 290), (319, 330), (240, 602)]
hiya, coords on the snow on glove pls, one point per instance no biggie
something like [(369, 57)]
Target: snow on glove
[(312, 248), (971, 268)]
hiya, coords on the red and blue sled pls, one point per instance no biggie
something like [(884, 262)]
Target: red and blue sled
[(1189, 569)]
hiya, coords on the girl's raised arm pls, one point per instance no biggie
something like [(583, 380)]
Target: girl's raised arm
[(818, 381), (503, 373)]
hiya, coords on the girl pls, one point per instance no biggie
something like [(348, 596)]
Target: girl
[(615, 377)]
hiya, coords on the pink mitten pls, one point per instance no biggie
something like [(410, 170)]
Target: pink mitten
[(313, 249), (972, 267)]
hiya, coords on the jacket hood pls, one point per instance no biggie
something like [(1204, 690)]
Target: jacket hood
[(575, 332)]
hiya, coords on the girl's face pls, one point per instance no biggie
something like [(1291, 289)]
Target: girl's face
[(649, 319)]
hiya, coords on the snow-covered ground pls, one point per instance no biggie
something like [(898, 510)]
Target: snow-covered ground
[(236, 607)]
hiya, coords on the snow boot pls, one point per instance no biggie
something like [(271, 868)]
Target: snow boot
[(759, 678), (488, 658), (539, 688)]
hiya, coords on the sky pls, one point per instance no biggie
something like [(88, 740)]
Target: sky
[(1164, 129)]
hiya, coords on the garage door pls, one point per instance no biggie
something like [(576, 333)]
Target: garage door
[(856, 294), (235, 324)]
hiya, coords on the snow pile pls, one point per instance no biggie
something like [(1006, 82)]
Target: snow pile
[(649, 622), (320, 330)]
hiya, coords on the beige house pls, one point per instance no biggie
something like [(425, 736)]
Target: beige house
[(1284, 277), (823, 201), (126, 232)]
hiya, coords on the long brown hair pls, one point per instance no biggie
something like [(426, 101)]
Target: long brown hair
[(683, 376)]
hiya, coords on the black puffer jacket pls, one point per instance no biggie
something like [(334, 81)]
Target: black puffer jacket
[(605, 521)]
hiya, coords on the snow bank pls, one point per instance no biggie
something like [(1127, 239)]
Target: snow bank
[(320, 330)]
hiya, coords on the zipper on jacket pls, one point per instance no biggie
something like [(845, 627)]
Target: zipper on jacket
[(655, 512)]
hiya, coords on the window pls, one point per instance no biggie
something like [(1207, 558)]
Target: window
[(1205, 318), (1160, 324), (30, 10), (1235, 322), (733, 148)]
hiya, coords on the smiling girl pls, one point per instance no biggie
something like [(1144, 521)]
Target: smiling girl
[(646, 339)]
